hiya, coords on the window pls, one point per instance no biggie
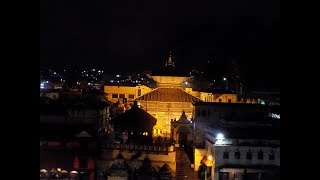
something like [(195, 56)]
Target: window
[(226, 155), (139, 92), (237, 154), (114, 95), (220, 100), (260, 155), (271, 155), (121, 96), (229, 100), (131, 96), (249, 155), (204, 113)]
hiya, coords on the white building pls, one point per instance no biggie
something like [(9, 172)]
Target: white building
[(234, 158), (234, 141)]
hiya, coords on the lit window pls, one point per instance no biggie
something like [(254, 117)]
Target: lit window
[(131, 96), (114, 95)]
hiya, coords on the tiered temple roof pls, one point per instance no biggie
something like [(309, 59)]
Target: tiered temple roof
[(168, 95)]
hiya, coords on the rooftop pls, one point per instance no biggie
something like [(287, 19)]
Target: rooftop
[(168, 95)]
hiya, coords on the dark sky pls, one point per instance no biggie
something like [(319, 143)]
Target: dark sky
[(137, 35)]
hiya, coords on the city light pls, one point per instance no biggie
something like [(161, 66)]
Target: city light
[(210, 158), (224, 79), (220, 136)]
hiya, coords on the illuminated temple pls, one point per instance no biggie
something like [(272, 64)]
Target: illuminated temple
[(168, 100)]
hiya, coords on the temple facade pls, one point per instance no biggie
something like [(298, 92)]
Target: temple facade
[(168, 100)]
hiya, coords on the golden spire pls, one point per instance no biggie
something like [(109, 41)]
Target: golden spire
[(170, 61)]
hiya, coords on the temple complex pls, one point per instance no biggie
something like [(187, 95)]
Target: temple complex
[(168, 100)]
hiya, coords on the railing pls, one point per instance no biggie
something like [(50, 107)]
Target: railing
[(138, 147)]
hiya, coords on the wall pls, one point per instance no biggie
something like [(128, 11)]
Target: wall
[(198, 156), (211, 113), (127, 90), (219, 150), (225, 97), (164, 112)]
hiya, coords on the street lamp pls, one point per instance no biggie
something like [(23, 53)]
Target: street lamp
[(224, 79)]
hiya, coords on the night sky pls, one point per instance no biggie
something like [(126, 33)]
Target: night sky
[(138, 35)]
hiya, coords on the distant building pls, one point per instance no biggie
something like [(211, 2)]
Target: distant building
[(119, 93)]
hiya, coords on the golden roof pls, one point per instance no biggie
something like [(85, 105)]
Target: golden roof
[(168, 95)]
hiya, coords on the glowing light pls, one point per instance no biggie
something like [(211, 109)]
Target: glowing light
[(58, 169), (210, 158), (111, 81), (117, 75), (275, 116), (54, 73), (224, 79), (186, 83), (220, 136), (93, 69), (262, 102)]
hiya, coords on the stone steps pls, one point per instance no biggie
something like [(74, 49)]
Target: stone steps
[(183, 167)]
